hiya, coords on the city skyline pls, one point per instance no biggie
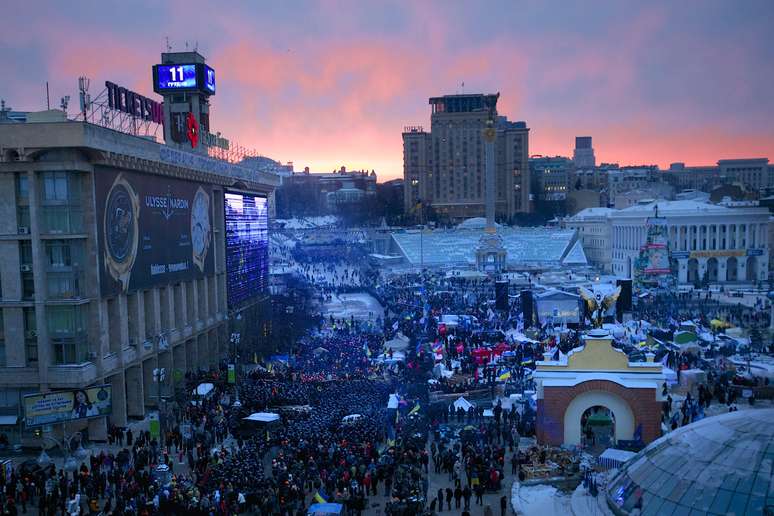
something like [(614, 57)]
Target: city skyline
[(325, 84)]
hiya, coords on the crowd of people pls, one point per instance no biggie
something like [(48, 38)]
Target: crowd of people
[(341, 436)]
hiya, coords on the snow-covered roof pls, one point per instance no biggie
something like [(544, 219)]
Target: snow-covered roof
[(592, 212), (474, 223), (667, 207), (576, 256)]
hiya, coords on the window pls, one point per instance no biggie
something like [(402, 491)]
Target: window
[(25, 252), (58, 253), (2, 340), (67, 334), (30, 335), (22, 187), (55, 186)]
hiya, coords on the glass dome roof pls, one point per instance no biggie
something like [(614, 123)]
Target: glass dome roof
[(720, 465)]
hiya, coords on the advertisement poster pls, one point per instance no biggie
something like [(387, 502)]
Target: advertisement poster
[(61, 406), (152, 230)]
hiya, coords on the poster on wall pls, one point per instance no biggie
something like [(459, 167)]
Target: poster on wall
[(152, 230), (247, 246), (61, 406)]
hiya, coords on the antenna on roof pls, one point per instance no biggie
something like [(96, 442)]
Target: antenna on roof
[(186, 45), (169, 48), (196, 46)]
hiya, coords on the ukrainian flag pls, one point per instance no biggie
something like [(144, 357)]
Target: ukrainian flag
[(503, 377), (319, 497), (414, 410)]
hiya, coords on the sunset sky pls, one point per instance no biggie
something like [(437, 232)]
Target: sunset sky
[(327, 83)]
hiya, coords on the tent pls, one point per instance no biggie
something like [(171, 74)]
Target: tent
[(203, 389), (463, 404), (319, 351), (325, 509), (351, 418), (613, 458), (399, 342), (262, 417)]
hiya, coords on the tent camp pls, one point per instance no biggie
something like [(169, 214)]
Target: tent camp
[(399, 342), (463, 404)]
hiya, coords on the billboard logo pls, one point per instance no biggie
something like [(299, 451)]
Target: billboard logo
[(166, 204), (126, 101)]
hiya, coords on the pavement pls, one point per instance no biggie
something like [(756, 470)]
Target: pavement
[(361, 306)]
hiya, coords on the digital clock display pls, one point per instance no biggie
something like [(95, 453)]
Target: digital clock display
[(178, 77)]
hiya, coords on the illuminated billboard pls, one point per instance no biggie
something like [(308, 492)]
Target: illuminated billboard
[(61, 406), (247, 246), (153, 230)]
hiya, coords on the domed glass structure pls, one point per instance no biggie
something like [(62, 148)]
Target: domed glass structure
[(721, 465)]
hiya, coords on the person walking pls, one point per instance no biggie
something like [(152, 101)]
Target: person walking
[(449, 495)]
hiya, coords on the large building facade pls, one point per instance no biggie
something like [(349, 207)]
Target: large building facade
[(445, 167), (706, 241), (115, 256)]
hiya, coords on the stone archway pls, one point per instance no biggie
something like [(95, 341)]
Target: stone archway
[(624, 416), (712, 269), (731, 269), (752, 268), (693, 270)]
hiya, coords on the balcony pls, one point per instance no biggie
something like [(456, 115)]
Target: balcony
[(72, 375), (61, 220)]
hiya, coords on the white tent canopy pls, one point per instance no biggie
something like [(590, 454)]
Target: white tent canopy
[(203, 389), (262, 417), (399, 342), (351, 418), (462, 403)]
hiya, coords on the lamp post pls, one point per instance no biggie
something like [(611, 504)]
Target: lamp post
[(159, 376), (236, 337), (72, 458)]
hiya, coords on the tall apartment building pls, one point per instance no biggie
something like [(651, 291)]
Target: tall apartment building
[(118, 256), (445, 167), (583, 155)]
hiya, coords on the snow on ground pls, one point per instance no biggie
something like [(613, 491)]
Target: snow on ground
[(308, 222), (583, 504), (541, 499), (361, 306)]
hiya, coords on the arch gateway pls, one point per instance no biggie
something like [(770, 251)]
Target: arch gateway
[(597, 375)]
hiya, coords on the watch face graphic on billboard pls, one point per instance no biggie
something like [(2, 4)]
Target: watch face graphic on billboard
[(201, 231), (121, 229)]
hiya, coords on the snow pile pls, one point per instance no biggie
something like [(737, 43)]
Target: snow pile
[(541, 499)]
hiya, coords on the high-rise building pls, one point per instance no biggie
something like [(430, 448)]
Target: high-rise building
[(583, 155), (444, 168)]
